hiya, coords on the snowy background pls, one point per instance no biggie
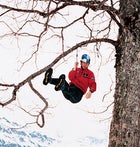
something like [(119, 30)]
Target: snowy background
[(28, 137)]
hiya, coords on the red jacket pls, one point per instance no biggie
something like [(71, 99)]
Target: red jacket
[(83, 79)]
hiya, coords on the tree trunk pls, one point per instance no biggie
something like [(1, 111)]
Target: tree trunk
[(125, 125)]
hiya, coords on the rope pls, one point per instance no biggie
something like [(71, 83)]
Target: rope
[(76, 55)]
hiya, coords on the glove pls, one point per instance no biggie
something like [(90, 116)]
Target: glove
[(75, 65), (88, 95)]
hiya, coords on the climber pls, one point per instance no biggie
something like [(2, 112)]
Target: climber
[(81, 79)]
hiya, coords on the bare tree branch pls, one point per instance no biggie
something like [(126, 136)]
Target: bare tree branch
[(31, 77), (45, 14), (41, 113)]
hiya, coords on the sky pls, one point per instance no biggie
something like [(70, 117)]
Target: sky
[(69, 121)]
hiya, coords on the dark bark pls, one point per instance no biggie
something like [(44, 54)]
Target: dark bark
[(125, 126)]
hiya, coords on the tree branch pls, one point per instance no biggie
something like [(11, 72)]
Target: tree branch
[(41, 113)]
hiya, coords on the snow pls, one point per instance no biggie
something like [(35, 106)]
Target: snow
[(27, 137)]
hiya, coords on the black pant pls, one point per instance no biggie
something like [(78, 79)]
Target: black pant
[(70, 92)]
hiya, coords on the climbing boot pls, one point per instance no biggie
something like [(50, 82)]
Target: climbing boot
[(60, 83), (47, 77)]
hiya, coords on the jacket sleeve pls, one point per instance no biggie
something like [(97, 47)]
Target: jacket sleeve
[(72, 75), (92, 83)]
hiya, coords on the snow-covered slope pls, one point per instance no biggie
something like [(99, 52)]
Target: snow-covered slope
[(21, 137), (26, 137)]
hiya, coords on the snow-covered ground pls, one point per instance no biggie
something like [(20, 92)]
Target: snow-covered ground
[(27, 137)]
